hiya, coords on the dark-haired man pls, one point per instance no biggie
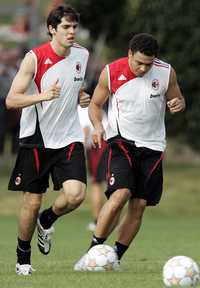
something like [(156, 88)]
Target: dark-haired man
[(139, 87), (51, 137)]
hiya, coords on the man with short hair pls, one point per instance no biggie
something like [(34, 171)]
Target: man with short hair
[(48, 86), (139, 87)]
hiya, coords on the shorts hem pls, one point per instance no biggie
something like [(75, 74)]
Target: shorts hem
[(109, 192), (59, 186), (28, 190)]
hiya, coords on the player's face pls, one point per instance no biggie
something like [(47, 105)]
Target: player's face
[(140, 63), (65, 32)]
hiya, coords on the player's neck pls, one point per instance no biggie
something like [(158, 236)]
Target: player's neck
[(60, 50), (130, 67)]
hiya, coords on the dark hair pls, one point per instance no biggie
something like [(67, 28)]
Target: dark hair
[(144, 43), (58, 13)]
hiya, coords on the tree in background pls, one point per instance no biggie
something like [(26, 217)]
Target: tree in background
[(101, 16)]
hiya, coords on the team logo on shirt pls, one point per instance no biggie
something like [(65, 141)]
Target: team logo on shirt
[(122, 77), (78, 67), (155, 84), (154, 95), (78, 79), (48, 61)]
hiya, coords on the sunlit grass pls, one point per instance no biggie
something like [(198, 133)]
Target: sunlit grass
[(171, 228)]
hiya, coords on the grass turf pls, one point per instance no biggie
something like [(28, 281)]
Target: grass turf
[(170, 229)]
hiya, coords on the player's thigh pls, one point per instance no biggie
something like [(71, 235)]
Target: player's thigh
[(27, 174), (119, 171), (151, 178), (70, 168)]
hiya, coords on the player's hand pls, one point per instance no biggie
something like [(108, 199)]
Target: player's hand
[(53, 92), (97, 136), (176, 105), (84, 98)]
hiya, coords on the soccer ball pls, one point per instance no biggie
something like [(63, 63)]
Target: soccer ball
[(101, 258), (181, 271)]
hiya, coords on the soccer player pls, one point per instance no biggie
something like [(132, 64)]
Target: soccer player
[(48, 86), (139, 87)]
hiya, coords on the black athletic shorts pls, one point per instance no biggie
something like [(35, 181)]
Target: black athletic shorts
[(34, 166), (137, 168)]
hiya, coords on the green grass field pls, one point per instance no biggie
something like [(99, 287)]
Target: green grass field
[(170, 229)]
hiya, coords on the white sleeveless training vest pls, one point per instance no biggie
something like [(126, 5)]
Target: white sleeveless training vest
[(55, 124), (137, 104)]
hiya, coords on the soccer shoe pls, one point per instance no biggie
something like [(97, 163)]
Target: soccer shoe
[(44, 238), (91, 226), (24, 269), (80, 265)]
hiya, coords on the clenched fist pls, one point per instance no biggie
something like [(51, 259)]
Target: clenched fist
[(176, 105), (84, 98), (53, 92)]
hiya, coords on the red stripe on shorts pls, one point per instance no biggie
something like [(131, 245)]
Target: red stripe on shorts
[(71, 148), (37, 160), (120, 144), (109, 161), (156, 164)]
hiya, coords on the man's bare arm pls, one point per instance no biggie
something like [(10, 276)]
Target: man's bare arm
[(175, 99), (17, 98), (99, 97)]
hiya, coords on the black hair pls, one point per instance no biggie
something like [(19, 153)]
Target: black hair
[(144, 43), (58, 13)]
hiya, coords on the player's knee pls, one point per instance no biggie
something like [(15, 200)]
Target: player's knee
[(32, 202), (118, 199), (75, 198), (139, 208)]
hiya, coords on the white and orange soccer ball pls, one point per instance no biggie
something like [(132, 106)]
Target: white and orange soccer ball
[(181, 271), (101, 258)]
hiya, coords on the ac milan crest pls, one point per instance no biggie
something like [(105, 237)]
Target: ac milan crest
[(18, 180), (78, 67), (112, 180), (155, 84)]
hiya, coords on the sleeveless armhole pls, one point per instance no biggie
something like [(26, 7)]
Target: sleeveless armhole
[(108, 72), (35, 59)]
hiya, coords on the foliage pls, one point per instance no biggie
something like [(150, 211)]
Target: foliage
[(101, 16)]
